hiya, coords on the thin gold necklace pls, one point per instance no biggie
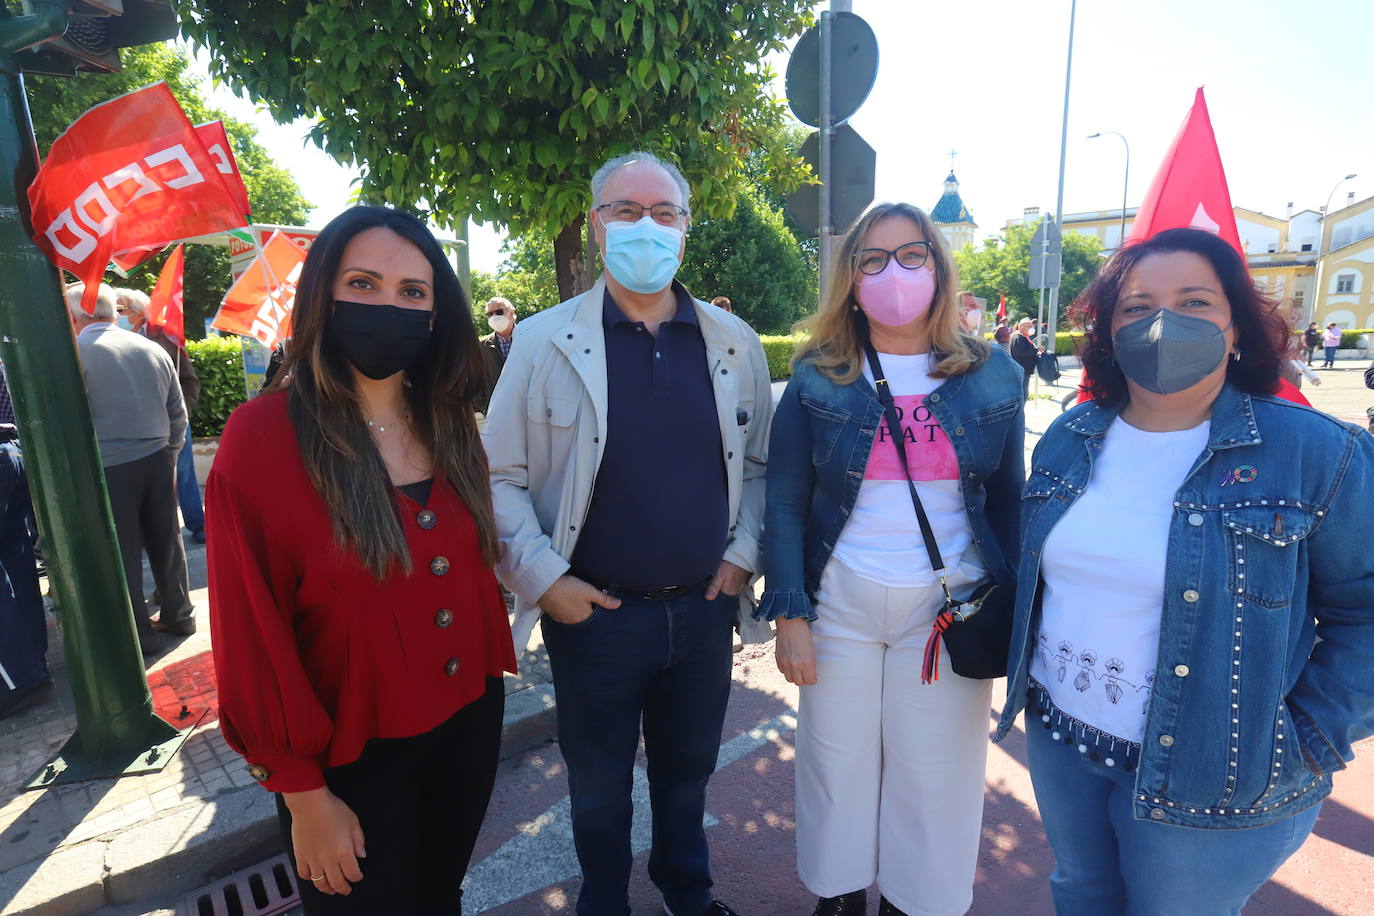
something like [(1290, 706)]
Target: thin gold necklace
[(405, 418)]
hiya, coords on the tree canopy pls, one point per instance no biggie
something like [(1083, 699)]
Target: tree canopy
[(1002, 266), (501, 110), (55, 102)]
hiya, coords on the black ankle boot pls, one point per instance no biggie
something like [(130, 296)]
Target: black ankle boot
[(854, 903), (887, 909)]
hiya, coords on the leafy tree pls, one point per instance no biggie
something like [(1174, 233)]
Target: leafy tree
[(1003, 266), (752, 257), (502, 109), (55, 102)]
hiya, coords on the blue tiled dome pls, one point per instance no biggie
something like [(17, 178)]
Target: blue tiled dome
[(950, 208)]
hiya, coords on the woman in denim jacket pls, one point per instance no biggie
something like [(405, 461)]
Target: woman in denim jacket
[(889, 771), (1194, 638)]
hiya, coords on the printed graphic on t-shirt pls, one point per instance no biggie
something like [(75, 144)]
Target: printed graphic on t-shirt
[(928, 449)]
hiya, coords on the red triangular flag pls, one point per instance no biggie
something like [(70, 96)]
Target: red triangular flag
[(1190, 187), (164, 306)]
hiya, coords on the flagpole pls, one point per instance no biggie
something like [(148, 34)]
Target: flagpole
[(1063, 156)]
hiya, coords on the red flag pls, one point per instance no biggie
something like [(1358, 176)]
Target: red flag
[(259, 303), (164, 307), (1190, 187), (129, 174), (1002, 307), (216, 140)]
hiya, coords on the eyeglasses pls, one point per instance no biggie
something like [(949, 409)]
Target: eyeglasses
[(874, 260), (627, 211)]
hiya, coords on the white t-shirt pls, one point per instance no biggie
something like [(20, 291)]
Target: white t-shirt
[(1103, 568), (881, 541)]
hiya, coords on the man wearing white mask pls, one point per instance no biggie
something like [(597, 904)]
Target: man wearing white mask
[(627, 439), (496, 345)]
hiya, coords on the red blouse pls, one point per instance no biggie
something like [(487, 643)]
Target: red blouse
[(314, 656)]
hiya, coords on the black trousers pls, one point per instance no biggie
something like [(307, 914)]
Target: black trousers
[(420, 802), (143, 497)]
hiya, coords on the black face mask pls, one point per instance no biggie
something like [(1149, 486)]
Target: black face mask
[(379, 340)]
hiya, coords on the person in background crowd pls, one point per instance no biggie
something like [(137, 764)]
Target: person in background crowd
[(496, 345), (1331, 340), (140, 427), (1002, 337), (971, 314), (359, 635), (24, 677), (1195, 606), (627, 438), (1311, 339), (889, 770), (132, 307), (1025, 351), (723, 302)]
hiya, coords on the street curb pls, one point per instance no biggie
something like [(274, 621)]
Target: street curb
[(163, 858)]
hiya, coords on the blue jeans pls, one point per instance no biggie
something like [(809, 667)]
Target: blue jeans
[(1108, 863), (1330, 357), (667, 662), (188, 490)]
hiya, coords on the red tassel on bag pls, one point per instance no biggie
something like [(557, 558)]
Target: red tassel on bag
[(930, 664)]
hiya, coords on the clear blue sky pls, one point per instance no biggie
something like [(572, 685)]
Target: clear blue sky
[(1290, 88)]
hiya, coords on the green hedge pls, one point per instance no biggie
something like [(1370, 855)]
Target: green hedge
[(219, 363), (1350, 339), (778, 348)]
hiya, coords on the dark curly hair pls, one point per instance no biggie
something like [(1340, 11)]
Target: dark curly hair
[(1262, 332)]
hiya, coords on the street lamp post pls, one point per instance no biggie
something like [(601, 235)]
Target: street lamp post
[(1321, 239), (1125, 182)]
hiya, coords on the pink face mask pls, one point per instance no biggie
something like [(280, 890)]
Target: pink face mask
[(896, 296)]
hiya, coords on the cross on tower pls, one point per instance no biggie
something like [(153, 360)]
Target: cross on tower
[(952, 154)]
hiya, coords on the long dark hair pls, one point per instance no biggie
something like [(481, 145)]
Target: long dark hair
[(440, 390), (1261, 331)]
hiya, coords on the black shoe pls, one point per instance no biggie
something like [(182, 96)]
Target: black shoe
[(855, 903), (718, 909), (149, 644), (21, 698), (198, 535), (183, 627), (887, 909)]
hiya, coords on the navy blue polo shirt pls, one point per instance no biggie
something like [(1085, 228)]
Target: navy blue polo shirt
[(658, 515)]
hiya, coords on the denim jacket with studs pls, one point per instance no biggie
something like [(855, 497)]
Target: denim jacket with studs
[(1266, 649)]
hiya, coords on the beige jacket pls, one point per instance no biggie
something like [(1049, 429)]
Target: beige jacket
[(545, 432)]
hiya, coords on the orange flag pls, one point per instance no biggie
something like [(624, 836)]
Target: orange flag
[(165, 308), (259, 303)]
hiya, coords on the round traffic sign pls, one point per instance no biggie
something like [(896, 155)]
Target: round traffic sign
[(853, 68)]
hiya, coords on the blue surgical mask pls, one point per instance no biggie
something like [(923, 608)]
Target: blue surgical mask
[(124, 322), (642, 256)]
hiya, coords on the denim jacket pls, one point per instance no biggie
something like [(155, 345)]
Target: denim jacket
[(822, 435), (1269, 550)]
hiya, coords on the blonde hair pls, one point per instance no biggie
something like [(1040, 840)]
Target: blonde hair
[(832, 339)]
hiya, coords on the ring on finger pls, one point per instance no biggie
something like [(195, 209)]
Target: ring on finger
[(318, 878)]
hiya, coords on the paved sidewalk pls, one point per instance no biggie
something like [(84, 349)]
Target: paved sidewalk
[(75, 848)]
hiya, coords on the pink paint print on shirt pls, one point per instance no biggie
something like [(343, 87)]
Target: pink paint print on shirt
[(928, 449)]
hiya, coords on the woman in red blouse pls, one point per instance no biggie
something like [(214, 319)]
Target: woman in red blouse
[(359, 633)]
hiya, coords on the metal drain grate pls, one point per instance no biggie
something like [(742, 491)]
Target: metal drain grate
[(266, 889)]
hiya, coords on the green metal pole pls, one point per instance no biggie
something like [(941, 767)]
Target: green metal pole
[(115, 720)]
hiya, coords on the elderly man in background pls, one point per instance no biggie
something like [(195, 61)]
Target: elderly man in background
[(496, 345), (140, 425), (132, 306), (627, 440)]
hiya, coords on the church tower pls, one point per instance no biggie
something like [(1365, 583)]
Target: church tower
[(953, 218)]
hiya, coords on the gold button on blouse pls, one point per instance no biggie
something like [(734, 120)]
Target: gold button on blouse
[(439, 565), (451, 667), (426, 519), (443, 618)]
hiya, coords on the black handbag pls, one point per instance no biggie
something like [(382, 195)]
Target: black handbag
[(976, 632)]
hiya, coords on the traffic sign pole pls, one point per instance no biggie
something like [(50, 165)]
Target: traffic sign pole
[(825, 230), (1063, 154)]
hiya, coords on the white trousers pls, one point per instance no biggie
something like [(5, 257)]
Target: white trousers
[(890, 771)]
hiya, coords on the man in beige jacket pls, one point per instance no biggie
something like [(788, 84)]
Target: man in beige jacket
[(627, 439)]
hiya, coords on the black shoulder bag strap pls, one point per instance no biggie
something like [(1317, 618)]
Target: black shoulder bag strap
[(947, 617)]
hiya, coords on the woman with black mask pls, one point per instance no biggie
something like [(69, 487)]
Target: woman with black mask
[(359, 633)]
